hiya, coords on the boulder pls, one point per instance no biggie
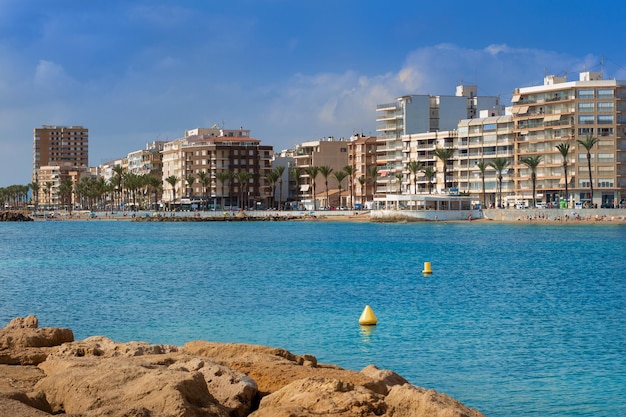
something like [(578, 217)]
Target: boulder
[(99, 377), (322, 396), (23, 343), (273, 368), (411, 401)]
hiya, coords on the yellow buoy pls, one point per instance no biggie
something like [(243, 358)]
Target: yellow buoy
[(368, 318), (427, 269)]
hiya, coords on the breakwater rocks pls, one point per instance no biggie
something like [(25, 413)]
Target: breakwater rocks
[(14, 216), (43, 372)]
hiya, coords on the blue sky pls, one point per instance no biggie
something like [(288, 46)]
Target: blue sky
[(291, 71)]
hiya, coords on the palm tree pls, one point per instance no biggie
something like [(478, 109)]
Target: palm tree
[(205, 181), (415, 167), (118, 180), (499, 164), (532, 162), (430, 173), (349, 170), (340, 176), (563, 149), (133, 183), (373, 175), (47, 189), (35, 187), (190, 179), (154, 183), (271, 177), (222, 177), (588, 143), (243, 178), (444, 154), (482, 167), (362, 182), (66, 189), (399, 178), (312, 172), (172, 180), (279, 174), (325, 170), (294, 173)]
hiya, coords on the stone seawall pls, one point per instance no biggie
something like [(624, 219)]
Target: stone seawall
[(588, 215)]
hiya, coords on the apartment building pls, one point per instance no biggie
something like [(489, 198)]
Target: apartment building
[(362, 158), (561, 111), (216, 152), (59, 152), (329, 152), (414, 114)]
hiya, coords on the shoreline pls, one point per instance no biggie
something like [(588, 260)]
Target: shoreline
[(493, 216)]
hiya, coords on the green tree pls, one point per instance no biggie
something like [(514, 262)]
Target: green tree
[(349, 170), (295, 173), (172, 180), (205, 181), (415, 167), (532, 162), (363, 183), (482, 167), (430, 173), (222, 177), (35, 187), (399, 178), (373, 176), (154, 185), (499, 164), (48, 191), (340, 176), (279, 176), (325, 170), (444, 154), (66, 189), (243, 178), (271, 177), (312, 172), (564, 149), (190, 179), (118, 181), (588, 143)]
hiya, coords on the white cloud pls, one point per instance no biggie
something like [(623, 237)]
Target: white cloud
[(50, 75)]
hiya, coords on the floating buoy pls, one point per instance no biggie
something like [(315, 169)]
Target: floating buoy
[(368, 318), (427, 269)]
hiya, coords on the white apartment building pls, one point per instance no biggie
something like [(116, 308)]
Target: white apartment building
[(415, 114)]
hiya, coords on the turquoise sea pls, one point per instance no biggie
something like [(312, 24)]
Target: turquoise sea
[(516, 320)]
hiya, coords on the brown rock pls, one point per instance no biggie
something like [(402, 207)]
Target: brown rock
[(273, 368), (410, 401), (322, 396), (29, 322), (21, 342)]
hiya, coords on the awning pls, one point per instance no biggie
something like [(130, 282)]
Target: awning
[(552, 118), (304, 187), (521, 110), (515, 98)]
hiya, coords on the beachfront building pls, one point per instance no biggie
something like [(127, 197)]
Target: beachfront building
[(59, 153), (221, 156), (479, 142), (285, 192), (329, 152), (414, 114), (562, 112), (362, 159)]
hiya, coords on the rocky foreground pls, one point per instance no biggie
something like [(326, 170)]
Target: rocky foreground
[(14, 216), (44, 371)]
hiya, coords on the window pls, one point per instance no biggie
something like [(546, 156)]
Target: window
[(583, 157), (586, 107), (605, 119), (585, 94), (343, 149), (585, 120), (605, 106), (489, 127), (584, 131), (605, 131), (603, 93), (605, 157), (605, 183)]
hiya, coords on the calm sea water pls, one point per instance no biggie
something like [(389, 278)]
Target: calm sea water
[(524, 320)]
